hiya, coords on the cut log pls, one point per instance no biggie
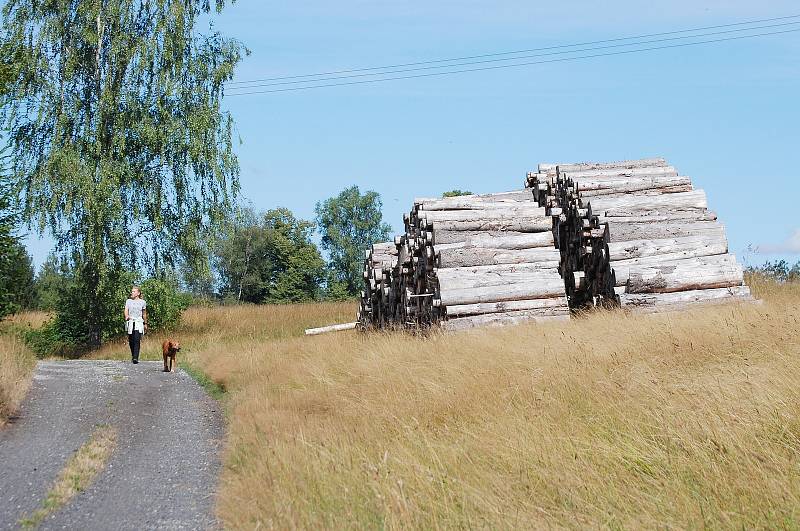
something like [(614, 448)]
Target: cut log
[(585, 184), (622, 267), (529, 210), (513, 241), (513, 195), (656, 216), (499, 319), (456, 236), (471, 256), (611, 193), (450, 283), (651, 171), (498, 268), (543, 305), (583, 166), (331, 328), (695, 199), (521, 224), (621, 232), (681, 276), (687, 246), (667, 302), (545, 289)]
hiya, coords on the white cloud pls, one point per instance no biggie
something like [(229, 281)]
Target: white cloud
[(790, 245)]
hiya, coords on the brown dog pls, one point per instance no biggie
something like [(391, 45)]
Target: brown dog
[(170, 349)]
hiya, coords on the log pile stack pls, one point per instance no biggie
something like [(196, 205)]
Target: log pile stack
[(636, 234), (633, 233), (467, 261)]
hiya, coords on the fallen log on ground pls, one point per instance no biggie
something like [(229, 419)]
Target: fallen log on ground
[(330, 328)]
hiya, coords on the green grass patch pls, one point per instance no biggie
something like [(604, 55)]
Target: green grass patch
[(216, 390)]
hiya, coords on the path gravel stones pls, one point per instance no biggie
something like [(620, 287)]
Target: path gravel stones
[(163, 474)]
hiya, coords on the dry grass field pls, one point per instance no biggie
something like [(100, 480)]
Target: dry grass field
[(16, 362), (669, 421), (610, 420)]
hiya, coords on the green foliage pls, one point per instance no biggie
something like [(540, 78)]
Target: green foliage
[(74, 328), (456, 193), (69, 334), (120, 146), (779, 270), (270, 259), (349, 223), (16, 268), (165, 303), (48, 282)]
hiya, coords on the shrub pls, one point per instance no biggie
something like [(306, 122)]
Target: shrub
[(165, 303), (67, 333)]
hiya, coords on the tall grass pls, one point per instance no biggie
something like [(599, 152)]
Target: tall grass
[(611, 420), (17, 363)]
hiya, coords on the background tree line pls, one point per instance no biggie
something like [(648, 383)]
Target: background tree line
[(254, 257)]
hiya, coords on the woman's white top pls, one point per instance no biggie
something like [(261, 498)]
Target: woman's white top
[(135, 320)]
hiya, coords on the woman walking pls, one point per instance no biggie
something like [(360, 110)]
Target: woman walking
[(135, 321)]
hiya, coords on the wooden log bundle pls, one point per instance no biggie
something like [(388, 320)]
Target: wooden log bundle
[(632, 233), (471, 259), (636, 234)]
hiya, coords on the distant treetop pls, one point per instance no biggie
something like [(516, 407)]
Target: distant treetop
[(456, 193)]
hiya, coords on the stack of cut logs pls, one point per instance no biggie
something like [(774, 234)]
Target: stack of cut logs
[(638, 235), (466, 261), (633, 234)]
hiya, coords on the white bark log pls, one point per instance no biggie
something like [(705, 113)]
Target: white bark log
[(500, 268), (469, 281), (687, 246), (682, 299), (558, 304), (584, 166), (458, 202), (620, 232), (498, 319), (543, 289), (611, 193), (331, 328), (621, 267), (520, 224), (480, 256), (464, 203), (681, 276), (656, 216), (695, 199), (521, 240), (652, 171), (585, 184), (529, 210)]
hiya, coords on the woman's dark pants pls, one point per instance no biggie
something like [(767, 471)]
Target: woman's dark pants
[(134, 340)]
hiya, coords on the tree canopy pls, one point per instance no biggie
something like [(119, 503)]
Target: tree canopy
[(270, 258), (349, 223), (120, 148)]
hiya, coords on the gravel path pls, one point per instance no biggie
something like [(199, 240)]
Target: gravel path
[(163, 474)]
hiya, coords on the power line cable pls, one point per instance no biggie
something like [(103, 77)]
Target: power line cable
[(497, 54), (497, 67), (484, 61)]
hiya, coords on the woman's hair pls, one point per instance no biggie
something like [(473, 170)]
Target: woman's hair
[(137, 288)]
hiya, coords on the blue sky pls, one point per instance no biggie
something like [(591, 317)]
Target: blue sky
[(725, 114)]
